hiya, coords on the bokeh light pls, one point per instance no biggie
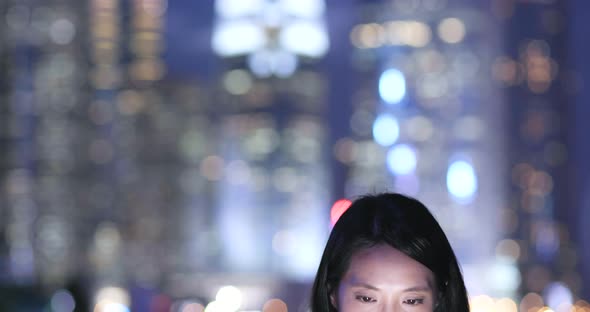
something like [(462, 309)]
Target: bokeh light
[(451, 30), (557, 294), (339, 207), (392, 86), (402, 159), (112, 299), (229, 297), (62, 301), (385, 130), (462, 180)]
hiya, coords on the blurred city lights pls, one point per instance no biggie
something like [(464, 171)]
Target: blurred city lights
[(484, 303), (216, 306), (238, 8), (419, 128), (461, 180), (451, 30), (237, 82), (146, 157), (105, 306), (508, 248), (505, 276), (401, 159), (270, 33), (339, 207), (307, 38), (304, 8), (229, 297), (284, 242), (62, 31), (266, 63), (392, 86), (62, 301), (469, 128), (274, 305), (385, 130), (557, 294), (481, 303), (191, 307), (506, 305), (236, 37), (112, 299), (411, 33), (367, 36), (531, 301)]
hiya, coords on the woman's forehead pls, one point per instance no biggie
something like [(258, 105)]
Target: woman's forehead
[(383, 263)]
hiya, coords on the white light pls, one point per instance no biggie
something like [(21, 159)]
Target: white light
[(215, 306), (260, 63), (272, 16), (229, 297), (461, 180), (304, 8), (401, 159), (557, 294), (385, 130), (238, 8), (307, 38), (392, 86), (112, 299), (231, 38), (505, 276), (266, 63), (285, 64), (114, 307)]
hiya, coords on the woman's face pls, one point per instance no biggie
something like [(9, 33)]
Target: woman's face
[(382, 278)]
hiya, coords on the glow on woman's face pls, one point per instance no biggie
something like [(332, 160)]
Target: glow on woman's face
[(384, 279)]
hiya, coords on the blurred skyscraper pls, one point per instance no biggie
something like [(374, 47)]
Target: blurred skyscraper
[(538, 79), (275, 190), (424, 123)]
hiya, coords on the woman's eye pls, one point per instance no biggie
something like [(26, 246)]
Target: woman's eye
[(414, 301), (365, 299)]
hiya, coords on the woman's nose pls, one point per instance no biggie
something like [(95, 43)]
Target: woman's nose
[(391, 308)]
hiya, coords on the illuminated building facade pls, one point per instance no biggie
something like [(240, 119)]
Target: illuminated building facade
[(538, 80), (40, 102), (76, 207), (444, 109), (424, 123), (273, 141)]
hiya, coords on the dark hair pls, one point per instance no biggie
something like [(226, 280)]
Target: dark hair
[(402, 223)]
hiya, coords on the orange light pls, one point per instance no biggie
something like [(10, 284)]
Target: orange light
[(339, 207)]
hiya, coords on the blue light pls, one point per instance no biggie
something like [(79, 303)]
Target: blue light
[(401, 159), (461, 180), (385, 130), (557, 294), (392, 86)]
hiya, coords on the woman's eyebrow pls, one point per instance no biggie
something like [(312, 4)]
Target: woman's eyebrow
[(363, 285), (417, 288)]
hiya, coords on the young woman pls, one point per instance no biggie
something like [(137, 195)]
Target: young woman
[(388, 253)]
